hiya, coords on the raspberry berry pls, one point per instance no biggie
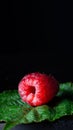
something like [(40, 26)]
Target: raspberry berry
[(37, 89)]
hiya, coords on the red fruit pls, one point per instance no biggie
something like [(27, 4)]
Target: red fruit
[(37, 89)]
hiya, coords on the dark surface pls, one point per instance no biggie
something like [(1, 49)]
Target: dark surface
[(61, 124)]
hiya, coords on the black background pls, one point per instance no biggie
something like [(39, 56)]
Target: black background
[(35, 36)]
